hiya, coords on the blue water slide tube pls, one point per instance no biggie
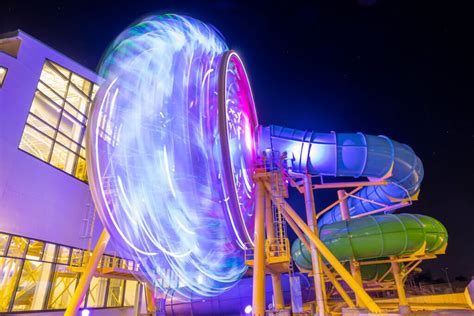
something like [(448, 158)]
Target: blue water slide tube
[(349, 155)]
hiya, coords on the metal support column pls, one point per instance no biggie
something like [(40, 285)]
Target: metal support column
[(402, 298), (290, 213), (86, 277), (354, 264), (276, 278), (319, 284), (258, 291)]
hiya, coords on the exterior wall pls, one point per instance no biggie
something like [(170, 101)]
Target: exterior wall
[(36, 199)]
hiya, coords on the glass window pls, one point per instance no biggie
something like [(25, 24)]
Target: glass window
[(3, 243), (71, 127), (17, 247), (45, 109), (55, 77), (3, 74), (36, 143), (33, 286), (49, 252), (115, 293), (62, 288), (81, 169), (9, 273), (63, 255), (130, 292), (56, 125), (35, 250), (82, 84), (76, 257), (97, 291), (41, 126), (78, 99)]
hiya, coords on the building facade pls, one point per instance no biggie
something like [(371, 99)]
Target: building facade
[(47, 218)]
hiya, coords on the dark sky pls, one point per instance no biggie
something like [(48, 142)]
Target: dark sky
[(403, 69)]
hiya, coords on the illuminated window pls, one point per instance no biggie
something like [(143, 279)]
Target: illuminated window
[(9, 272), (130, 292), (55, 128), (33, 286), (3, 243), (3, 74), (37, 275), (115, 294), (62, 289), (17, 247), (97, 292)]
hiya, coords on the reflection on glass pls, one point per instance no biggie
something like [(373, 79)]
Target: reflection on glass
[(32, 287)]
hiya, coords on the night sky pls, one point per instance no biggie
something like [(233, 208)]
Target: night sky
[(403, 69)]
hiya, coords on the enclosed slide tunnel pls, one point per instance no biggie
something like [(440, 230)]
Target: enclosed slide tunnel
[(359, 155)]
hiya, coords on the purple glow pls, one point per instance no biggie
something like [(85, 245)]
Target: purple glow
[(241, 122), (158, 167)]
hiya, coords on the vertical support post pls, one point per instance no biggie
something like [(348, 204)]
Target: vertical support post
[(402, 298), (355, 271), (258, 291), (150, 299), (276, 278), (86, 277), (355, 267), (319, 285), (138, 300)]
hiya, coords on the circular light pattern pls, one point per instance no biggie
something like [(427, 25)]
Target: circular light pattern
[(238, 123), (165, 135)]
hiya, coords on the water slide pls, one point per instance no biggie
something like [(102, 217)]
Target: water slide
[(373, 157)]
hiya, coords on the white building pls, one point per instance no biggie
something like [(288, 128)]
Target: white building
[(46, 210)]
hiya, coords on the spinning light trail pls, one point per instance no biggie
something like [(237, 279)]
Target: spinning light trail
[(169, 141)]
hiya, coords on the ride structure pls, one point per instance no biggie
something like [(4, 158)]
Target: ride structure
[(188, 183)]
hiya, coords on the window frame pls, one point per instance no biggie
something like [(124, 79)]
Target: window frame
[(66, 111)]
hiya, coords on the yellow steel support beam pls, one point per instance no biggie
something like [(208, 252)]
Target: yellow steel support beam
[(332, 278), (397, 275), (318, 276), (354, 265), (355, 271), (86, 277), (288, 212), (150, 299), (276, 278), (258, 294)]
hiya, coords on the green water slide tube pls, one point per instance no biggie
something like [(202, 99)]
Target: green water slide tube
[(373, 237)]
